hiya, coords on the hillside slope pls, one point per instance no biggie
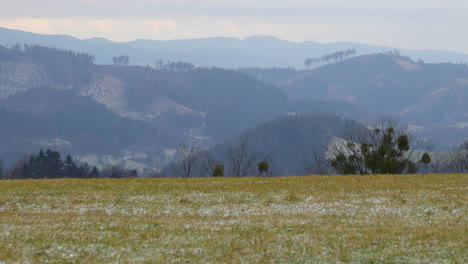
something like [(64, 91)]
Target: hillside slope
[(112, 109), (149, 110), (425, 94), (288, 138), (214, 102), (62, 120)]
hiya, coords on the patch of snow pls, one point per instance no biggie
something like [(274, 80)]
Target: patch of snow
[(406, 110), (169, 152), (47, 142), (407, 64), (438, 91)]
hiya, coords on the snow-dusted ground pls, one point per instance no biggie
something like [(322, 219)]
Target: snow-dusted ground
[(418, 219)]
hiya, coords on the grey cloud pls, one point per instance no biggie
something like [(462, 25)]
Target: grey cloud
[(259, 8), (407, 23)]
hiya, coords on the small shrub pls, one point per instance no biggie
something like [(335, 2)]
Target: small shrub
[(218, 171)]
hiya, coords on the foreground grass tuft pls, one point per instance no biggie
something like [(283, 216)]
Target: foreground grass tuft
[(372, 219)]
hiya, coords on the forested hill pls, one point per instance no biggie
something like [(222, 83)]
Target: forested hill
[(388, 83), (118, 108), (223, 102), (147, 112), (64, 121), (431, 97), (290, 139), (23, 67)]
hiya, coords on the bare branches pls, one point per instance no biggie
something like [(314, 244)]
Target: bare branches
[(316, 164), (459, 159), (210, 166), (121, 60), (381, 147), (188, 164), (242, 159)]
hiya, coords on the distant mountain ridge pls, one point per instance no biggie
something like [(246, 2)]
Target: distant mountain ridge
[(255, 51), (152, 110)]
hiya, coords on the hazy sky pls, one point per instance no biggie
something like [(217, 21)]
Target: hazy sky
[(429, 24)]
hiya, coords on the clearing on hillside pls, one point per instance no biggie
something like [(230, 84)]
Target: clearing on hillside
[(370, 219)]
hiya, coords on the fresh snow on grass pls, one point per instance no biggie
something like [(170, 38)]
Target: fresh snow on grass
[(371, 219)]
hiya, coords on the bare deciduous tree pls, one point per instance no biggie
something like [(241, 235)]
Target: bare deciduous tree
[(439, 160), (437, 164), (188, 162), (458, 160), (242, 159), (315, 163), (209, 163)]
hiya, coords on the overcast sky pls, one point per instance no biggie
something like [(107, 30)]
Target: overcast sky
[(416, 24)]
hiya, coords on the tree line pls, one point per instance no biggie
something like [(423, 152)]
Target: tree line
[(177, 66), (121, 60), (61, 67), (240, 160), (381, 147), (48, 164), (335, 56)]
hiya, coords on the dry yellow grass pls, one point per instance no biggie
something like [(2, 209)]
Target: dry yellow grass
[(372, 219)]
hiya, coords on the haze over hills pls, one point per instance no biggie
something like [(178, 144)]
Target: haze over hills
[(255, 51), (166, 104), (65, 121), (288, 140), (143, 113), (85, 108), (166, 131), (391, 84), (431, 97)]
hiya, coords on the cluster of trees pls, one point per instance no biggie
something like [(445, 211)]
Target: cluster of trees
[(61, 67), (457, 161), (383, 147), (178, 66), (121, 60), (380, 148), (336, 56), (48, 164), (239, 161)]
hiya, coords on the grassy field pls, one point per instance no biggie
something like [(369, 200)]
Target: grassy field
[(372, 219)]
